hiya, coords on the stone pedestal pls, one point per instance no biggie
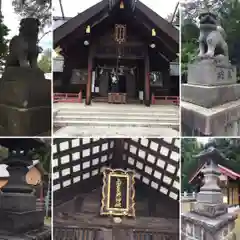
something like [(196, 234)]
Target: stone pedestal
[(25, 102), (211, 72), (210, 99)]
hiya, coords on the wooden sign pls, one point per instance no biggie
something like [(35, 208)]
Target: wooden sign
[(118, 193)]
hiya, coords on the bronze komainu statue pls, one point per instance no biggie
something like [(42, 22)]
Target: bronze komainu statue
[(23, 49), (212, 36)]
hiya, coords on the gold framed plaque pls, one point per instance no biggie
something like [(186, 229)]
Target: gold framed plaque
[(118, 193)]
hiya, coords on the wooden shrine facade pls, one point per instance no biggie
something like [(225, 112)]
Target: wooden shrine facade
[(113, 39), (78, 186)]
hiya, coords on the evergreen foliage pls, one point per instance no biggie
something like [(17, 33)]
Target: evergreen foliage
[(3, 43), (229, 14), (40, 9), (190, 147)]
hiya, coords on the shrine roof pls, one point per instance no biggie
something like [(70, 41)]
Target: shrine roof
[(102, 10), (223, 168), (78, 164), (22, 143)]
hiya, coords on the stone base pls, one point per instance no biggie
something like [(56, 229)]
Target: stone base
[(222, 120), (209, 210), (19, 222), (25, 102), (24, 88), (24, 121), (195, 226), (211, 72), (17, 202), (43, 233), (210, 96)]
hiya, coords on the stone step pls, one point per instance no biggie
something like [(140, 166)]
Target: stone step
[(116, 109), (117, 114), (133, 123), (124, 118), (122, 131), (105, 100)]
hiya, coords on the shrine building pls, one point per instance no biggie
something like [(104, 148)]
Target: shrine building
[(116, 189), (229, 181), (116, 47)]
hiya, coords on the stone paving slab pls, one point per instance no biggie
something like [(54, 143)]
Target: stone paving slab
[(106, 106), (115, 132)]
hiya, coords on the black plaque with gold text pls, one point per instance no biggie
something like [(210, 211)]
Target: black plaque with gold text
[(118, 193)]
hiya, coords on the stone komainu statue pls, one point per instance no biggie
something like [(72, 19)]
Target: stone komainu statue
[(23, 49), (212, 36)]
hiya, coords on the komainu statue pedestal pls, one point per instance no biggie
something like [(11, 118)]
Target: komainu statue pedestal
[(25, 102), (210, 99)]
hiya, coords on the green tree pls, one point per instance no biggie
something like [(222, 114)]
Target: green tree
[(3, 43), (40, 9), (46, 61), (228, 12), (190, 147), (3, 152), (230, 147)]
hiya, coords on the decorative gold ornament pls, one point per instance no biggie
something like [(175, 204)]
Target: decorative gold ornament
[(154, 34), (121, 5), (120, 33), (58, 50), (118, 193), (88, 29)]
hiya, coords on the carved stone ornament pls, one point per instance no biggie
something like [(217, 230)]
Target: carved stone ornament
[(212, 37), (118, 193)]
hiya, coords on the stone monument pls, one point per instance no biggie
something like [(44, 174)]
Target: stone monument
[(211, 97), (19, 217), (25, 94), (209, 218)]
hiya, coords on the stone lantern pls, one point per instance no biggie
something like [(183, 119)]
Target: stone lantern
[(209, 218), (19, 216)]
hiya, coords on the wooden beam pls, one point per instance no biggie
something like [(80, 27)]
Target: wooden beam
[(82, 220), (89, 81)]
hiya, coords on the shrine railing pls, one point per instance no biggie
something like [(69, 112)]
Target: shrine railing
[(166, 99), (72, 233), (68, 97)]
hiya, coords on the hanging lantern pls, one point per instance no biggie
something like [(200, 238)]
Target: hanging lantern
[(88, 29), (154, 32), (121, 5)]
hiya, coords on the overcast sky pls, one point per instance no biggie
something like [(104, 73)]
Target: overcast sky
[(11, 20), (203, 140), (73, 7)]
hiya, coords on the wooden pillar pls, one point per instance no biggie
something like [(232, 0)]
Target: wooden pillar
[(147, 98), (89, 80)]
